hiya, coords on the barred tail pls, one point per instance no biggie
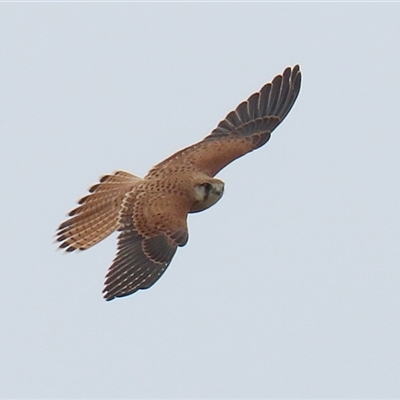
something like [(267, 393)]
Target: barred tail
[(96, 217)]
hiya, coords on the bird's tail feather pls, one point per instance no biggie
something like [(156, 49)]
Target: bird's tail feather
[(96, 217)]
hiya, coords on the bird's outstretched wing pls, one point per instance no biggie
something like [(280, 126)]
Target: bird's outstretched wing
[(151, 213), (97, 214), (151, 229), (246, 128)]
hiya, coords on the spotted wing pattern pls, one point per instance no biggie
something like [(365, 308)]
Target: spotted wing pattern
[(245, 129), (143, 257), (97, 214)]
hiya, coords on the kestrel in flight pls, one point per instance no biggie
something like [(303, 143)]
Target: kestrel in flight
[(151, 213)]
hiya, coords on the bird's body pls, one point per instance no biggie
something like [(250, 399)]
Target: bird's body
[(151, 213)]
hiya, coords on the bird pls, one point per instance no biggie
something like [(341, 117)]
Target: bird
[(151, 213)]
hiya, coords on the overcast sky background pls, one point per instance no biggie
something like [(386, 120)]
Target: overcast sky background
[(289, 286)]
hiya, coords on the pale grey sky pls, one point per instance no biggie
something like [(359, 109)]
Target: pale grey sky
[(289, 286)]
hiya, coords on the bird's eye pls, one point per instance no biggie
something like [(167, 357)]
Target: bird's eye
[(208, 187)]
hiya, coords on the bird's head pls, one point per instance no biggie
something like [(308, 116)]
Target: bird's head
[(207, 191)]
